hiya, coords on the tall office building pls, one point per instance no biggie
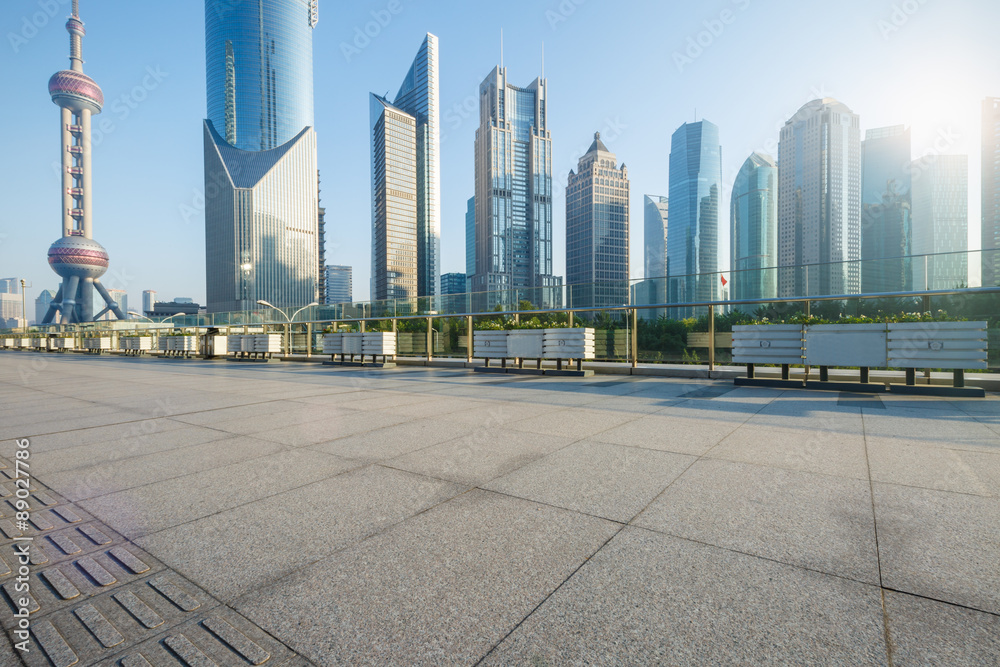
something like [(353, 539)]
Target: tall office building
[(654, 238), (148, 300), (695, 195), (886, 237), (754, 218), (10, 285), (597, 225), (321, 242), (11, 310), (819, 202), (470, 238), (941, 221), (453, 283), (339, 284), (991, 192), (406, 183), (121, 298), (514, 193), (42, 302), (261, 191)]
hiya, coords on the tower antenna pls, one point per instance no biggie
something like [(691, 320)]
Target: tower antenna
[(543, 60), (501, 48)]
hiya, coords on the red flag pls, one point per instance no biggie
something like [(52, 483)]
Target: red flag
[(723, 279)]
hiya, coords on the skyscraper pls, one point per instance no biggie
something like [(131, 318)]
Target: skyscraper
[(941, 221), (470, 238), (148, 301), (991, 191), (695, 195), (76, 257), (42, 302), (886, 237), (597, 226), (10, 285), (819, 203), (754, 218), (406, 177), (339, 284), (121, 298), (514, 192), (261, 190), (453, 283), (654, 237)]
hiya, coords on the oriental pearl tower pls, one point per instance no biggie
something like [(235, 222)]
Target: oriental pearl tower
[(76, 257)]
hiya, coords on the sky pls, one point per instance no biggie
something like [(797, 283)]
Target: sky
[(633, 70)]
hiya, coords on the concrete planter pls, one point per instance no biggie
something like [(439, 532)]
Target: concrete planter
[(136, 343), (354, 343), (861, 345), (333, 343), (489, 344), (568, 344), (379, 343), (217, 346), (40, 343), (948, 345), (767, 344), (182, 344), (97, 343), (267, 343), (526, 343)]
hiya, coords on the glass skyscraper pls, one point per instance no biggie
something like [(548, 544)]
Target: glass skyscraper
[(597, 226), (654, 237), (695, 195), (991, 191), (886, 230), (819, 201), (514, 192), (754, 218), (262, 217), (941, 221), (339, 284), (470, 237)]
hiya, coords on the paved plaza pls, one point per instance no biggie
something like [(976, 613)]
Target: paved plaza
[(203, 513)]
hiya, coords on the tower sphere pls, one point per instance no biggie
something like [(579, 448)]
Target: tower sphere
[(78, 256), (75, 26), (76, 91)]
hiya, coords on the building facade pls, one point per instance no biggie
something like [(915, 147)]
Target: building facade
[(121, 298), (695, 196), (513, 153), (754, 218), (262, 220), (42, 301), (10, 285), (886, 229), (339, 284), (597, 230), (148, 301), (453, 283), (819, 202), (990, 156), (470, 238), (940, 222), (394, 202), (11, 310), (654, 236)]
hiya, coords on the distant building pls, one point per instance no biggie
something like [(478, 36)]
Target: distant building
[(886, 230), (148, 300), (10, 309), (120, 297), (597, 230), (42, 302), (654, 241), (991, 191), (754, 219), (453, 283), (10, 285), (941, 221), (513, 152), (169, 308), (695, 197), (819, 202), (470, 237), (339, 284)]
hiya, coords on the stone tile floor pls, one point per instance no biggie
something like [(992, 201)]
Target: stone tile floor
[(422, 516)]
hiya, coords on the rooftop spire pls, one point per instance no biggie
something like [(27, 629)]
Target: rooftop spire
[(76, 32)]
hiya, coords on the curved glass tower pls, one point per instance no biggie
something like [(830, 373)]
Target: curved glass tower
[(754, 213), (259, 66)]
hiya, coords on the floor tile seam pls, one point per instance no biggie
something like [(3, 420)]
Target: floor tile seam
[(237, 506), (734, 429), (886, 633), (929, 598), (561, 508), (717, 457), (769, 559), (995, 499), (175, 477), (547, 597), (346, 547), (90, 428)]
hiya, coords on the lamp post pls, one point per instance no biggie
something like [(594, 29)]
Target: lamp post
[(288, 326), (24, 312)]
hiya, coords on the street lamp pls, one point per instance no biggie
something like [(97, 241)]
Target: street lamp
[(288, 326), (132, 312), (24, 312)]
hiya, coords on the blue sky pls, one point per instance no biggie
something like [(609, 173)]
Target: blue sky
[(633, 70)]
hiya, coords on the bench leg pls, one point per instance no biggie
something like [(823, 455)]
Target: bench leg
[(911, 376), (559, 364), (824, 373), (864, 375), (785, 371), (579, 364), (959, 377)]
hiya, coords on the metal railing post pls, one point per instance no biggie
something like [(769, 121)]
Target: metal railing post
[(468, 341), (711, 338), (430, 339), (309, 340), (635, 337)]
